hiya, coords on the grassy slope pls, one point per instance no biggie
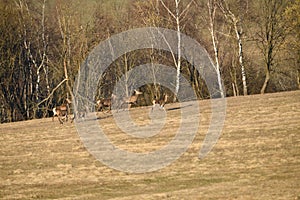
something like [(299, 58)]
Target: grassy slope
[(257, 157)]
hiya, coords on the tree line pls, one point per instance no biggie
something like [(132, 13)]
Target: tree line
[(254, 46)]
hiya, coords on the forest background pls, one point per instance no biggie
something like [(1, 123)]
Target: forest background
[(255, 46)]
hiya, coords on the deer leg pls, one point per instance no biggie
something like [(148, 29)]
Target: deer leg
[(101, 108), (122, 106), (54, 114), (60, 119), (162, 106)]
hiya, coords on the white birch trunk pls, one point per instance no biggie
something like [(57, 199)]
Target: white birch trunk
[(177, 15), (178, 64), (241, 57), (238, 31), (126, 76), (153, 72), (37, 62), (212, 11)]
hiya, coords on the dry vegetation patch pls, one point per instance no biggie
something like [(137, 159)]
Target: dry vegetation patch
[(256, 157)]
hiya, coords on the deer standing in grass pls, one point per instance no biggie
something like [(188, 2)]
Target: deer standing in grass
[(62, 111), (161, 102), (102, 103), (131, 99)]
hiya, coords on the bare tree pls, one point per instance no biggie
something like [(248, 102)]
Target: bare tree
[(177, 15), (36, 46), (292, 16), (73, 43), (237, 24), (150, 16), (271, 35), (212, 7)]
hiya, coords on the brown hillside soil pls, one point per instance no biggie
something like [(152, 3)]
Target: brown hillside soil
[(256, 157)]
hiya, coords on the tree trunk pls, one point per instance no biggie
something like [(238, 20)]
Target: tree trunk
[(298, 70), (298, 78), (212, 12), (154, 94), (241, 59), (267, 79), (234, 84), (177, 61), (178, 64), (236, 22), (126, 76)]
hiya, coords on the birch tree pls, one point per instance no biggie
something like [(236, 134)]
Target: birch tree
[(177, 15), (35, 42), (212, 7), (237, 23)]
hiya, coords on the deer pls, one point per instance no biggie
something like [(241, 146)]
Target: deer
[(161, 102), (102, 103), (62, 111), (131, 99)]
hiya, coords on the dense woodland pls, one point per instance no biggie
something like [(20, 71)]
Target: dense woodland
[(255, 46)]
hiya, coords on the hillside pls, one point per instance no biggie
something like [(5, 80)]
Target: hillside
[(256, 157)]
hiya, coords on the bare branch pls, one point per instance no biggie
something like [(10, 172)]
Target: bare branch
[(169, 11), (169, 46), (52, 92), (185, 11)]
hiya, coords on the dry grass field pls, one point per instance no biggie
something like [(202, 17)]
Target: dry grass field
[(256, 157)]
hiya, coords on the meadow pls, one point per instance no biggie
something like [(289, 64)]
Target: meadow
[(256, 157)]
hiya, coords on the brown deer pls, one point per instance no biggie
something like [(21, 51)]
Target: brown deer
[(62, 111), (131, 99), (102, 103), (161, 102)]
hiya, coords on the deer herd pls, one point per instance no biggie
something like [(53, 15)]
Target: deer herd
[(62, 112)]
